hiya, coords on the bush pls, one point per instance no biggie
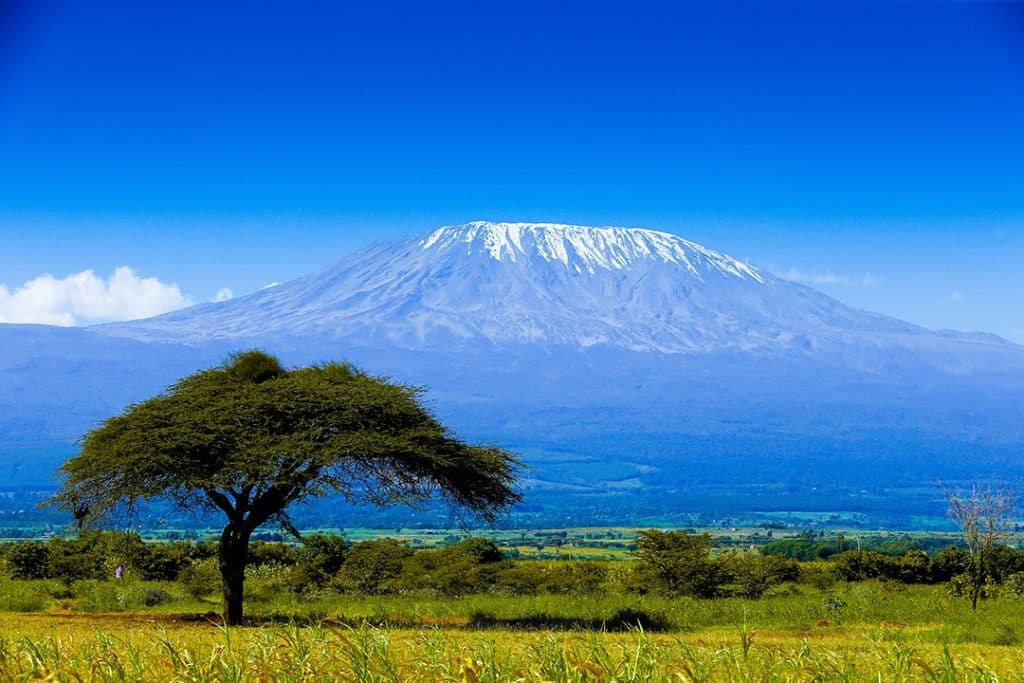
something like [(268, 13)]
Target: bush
[(952, 561), (470, 566), (261, 553), (166, 561), (481, 550), (72, 561), (118, 596), (318, 560), (677, 563), (373, 567), (573, 577), (28, 561), (201, 578), (1013, 585), (753, 576), (819, 574)]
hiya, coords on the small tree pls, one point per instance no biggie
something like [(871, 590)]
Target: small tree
[(250, 439), (985, 519), (373, 567), (678, 563)]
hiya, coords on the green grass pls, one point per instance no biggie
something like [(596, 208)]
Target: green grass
[(104, 648), (854, 632), (929, 611)]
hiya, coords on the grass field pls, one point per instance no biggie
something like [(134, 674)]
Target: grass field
[(861, 631), (153, 647)]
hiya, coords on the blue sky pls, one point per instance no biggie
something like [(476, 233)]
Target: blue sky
[(875, 151)]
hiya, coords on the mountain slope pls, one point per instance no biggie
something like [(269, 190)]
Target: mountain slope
[(481, 285), (627, 365)]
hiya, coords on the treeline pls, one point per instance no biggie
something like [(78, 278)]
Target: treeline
[(807, 547), (665, 562)]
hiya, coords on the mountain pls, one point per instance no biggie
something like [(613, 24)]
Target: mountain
[(551, 285), (640, 373)]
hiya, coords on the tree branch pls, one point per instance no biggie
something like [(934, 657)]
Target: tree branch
[(221, 501)]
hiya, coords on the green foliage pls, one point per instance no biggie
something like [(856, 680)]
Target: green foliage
[(482, 550), (470, 566), (752, 576), (118, 596), (859, 565), (263, 553), (373, 567), (200, 579), (677, 563), (251, 438), (318, 560), (28, 560), (72, 561), (165, 561), (1013, 585), (574, 577), (802, 549), (820, 575), (254, 366)]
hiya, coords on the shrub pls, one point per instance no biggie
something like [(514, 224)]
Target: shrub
[(166, 561), (201, 578), (818, 574), (1013, 585), (373, 567), (318, 560), (28, 561), (753, 576), (481, 550), (470, 566), (261, 553), (677, 563), (72, 561)]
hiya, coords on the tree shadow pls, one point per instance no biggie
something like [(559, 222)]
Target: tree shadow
[(627, 619)]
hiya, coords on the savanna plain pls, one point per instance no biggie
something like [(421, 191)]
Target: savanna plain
[(655, 605)]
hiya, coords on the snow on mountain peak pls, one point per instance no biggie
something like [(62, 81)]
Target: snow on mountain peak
[(581, 248), (537, 284)]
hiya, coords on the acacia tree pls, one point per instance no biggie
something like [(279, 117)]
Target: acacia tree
[(984, 516), (250, 439)]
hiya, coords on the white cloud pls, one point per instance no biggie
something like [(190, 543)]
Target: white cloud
[(957, 296), (830, 278), (223, 294), (87, 298), (269, 285)]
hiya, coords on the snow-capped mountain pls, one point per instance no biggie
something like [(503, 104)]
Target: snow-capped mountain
[(619, 360), (539, 284)]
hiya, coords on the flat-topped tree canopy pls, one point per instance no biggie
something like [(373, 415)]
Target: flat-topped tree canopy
[(251, 438)]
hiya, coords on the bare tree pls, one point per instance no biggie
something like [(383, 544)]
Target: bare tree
[(985, 518)]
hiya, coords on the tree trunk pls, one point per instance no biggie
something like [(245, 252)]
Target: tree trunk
[(977, 581), (234, 556)]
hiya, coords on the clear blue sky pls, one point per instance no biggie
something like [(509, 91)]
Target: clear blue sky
[(875, 150)]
